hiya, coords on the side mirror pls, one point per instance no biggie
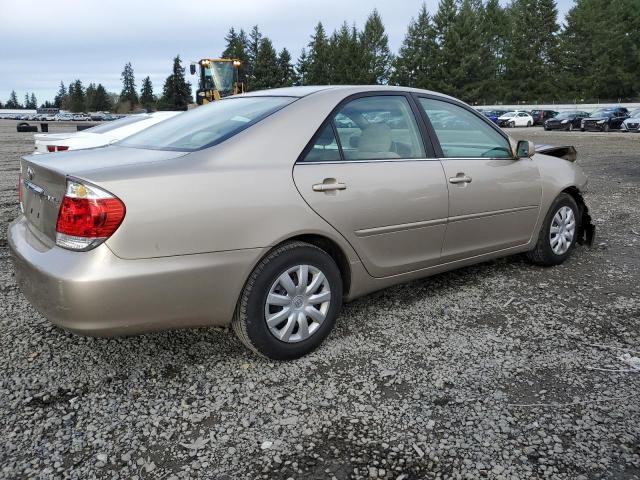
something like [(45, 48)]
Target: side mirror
[(525, 149), (192, 69)]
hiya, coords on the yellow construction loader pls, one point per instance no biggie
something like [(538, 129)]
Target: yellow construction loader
[(218, 78)]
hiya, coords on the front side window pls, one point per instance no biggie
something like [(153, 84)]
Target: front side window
[(463, 134), (378, 128), (207, 125)]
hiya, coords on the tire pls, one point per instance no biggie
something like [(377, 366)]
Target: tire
[(546, 129), (582, 129), (543, 253), (606, 127), (528, 124), (250, 319), (570, 127), (511, 124)]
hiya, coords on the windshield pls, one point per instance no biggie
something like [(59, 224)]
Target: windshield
[(208, 125), (603, 112), (509, 114), (565, 115), (218, 75), (121, 122), (635, 113)]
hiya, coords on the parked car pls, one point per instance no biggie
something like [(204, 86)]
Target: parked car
[(605, 119), (64, 117), (515, 119), (631, 124), (50, 117), (493, 115), (540, 116), (99, 135), (257, 211), (565, 121), (80, 117), (97, 117)]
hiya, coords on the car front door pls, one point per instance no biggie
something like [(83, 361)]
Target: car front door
[(370, 174), (494, 199)]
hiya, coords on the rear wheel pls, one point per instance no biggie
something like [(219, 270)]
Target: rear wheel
[(529, 123), (558, 234), (290, 302)]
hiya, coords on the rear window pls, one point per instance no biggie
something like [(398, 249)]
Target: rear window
[(121, 122), (207, 125)]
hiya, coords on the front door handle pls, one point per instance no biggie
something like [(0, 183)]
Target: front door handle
[(328, 185), (460, 178)]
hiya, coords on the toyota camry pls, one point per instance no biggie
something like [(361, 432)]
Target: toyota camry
[(268, 210)]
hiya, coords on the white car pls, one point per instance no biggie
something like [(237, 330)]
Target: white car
[(515, 119), (632, 124), (100, 135)]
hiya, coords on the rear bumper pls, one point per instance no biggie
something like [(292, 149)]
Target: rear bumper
[(97, 293)]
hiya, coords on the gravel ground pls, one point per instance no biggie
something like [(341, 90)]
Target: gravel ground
[(488, 371)]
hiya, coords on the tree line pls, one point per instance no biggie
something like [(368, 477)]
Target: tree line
[(477, 50)]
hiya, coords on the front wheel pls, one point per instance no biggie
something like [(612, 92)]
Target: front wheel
[(290, 302), (606, 127), (558, 233), (512, 124), (570, 127), (529, 123)]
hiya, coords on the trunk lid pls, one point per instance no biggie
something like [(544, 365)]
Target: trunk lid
[(44, 178)]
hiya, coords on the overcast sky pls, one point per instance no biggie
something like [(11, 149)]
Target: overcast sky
[(45, 41)]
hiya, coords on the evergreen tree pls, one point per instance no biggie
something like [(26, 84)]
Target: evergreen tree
[(27, 103), (266, 71), (102, 102), (285, 69), (595, 62), (448, 58), (319, 58), (60, 96), (347, 61), (529, 58), (177, 91), (13, 101), (376, 56), (415, 65), (33, 100), (147, 100), (253, 48), (90, 98), (47, 104), (494, 24), (236, 48), (129, 94), (302, 67), (77, 100)]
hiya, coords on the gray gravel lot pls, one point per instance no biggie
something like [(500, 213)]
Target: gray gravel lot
[(482, 372)]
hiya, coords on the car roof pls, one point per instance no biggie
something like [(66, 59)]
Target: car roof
[(351, 89)]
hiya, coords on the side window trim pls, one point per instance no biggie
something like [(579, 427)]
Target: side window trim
[(338, 141), (430, 152), (431, 131)]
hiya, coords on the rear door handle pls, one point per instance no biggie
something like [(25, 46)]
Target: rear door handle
[(329, 186), (460, 178)]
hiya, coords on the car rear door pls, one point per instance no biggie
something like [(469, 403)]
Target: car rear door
[(494, 199), (370, 174)]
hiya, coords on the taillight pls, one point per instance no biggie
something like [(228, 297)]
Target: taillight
[(88, 216), (57, 148)]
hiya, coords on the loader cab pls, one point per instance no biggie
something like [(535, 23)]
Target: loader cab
[(218, 78)]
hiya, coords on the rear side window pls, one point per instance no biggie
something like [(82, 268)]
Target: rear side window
[(462, 134), (207, 125), (325, 148)]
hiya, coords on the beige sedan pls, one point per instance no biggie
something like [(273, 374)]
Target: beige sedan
[(269, 210)]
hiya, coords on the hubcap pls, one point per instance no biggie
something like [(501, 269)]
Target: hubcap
[(563, 229), (297, 303)]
